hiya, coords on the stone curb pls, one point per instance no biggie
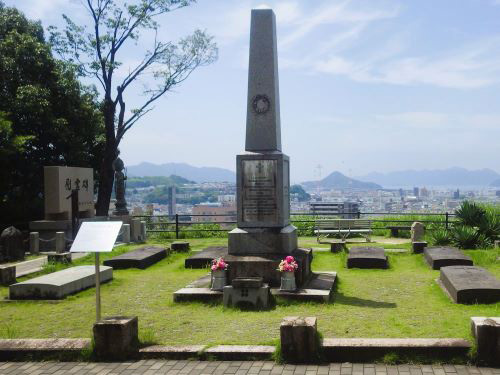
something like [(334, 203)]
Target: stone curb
[(219, 352), (41, 348)]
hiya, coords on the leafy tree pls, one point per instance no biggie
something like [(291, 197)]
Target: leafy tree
[(46, 116), (96, 54), (300, 192)]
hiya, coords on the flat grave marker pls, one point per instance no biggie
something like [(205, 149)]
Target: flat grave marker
[(140, 258), (438, 257), (367, 257), (203, 258), (470, 284), (58, 285)]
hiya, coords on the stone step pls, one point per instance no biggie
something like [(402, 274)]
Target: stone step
[(369, 349), (11, 349)]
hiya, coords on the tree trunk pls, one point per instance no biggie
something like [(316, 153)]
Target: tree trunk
[(106, 175)]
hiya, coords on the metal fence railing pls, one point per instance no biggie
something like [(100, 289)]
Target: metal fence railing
[(191, 223)]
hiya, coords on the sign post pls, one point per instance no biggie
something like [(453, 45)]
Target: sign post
[(96, 237)]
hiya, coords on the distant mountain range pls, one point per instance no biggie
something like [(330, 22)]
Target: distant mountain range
[(198, 174), (495, 183), (337, 180), (451, 177)]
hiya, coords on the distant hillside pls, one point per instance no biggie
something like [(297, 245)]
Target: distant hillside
[(495, 183), (337, 180), (141, 182), (198, 174), (439, 177)]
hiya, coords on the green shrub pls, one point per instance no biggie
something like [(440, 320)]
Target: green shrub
[(465, 237), (470, 214), (440, 237), (490, 225)]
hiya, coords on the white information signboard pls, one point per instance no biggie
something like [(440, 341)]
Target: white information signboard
[(96, 237)]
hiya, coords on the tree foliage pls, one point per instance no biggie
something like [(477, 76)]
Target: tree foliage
[(96, 52), (46, 116)]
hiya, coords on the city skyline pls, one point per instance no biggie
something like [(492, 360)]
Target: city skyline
[(365, 86)]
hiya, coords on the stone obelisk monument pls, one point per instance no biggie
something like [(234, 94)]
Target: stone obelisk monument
[(264, 234)]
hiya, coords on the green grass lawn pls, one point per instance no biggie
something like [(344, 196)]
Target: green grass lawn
[(402, 301)]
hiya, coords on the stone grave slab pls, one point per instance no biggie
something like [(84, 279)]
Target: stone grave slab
[(470, 284), (366, 257), (140, 258), (203, 258), (59, 284), (438, 257)]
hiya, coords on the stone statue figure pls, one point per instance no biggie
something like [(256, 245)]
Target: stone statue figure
[(120, 177)]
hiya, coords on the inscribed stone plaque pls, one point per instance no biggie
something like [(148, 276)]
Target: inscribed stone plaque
[(259, 191), (60, 181)]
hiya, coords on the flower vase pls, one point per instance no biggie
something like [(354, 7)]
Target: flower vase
[(218, 280), (288, 281)]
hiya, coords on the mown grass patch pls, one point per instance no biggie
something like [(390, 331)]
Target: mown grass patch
[(402, 301)]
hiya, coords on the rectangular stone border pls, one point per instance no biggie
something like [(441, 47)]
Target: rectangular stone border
[(14, 349)]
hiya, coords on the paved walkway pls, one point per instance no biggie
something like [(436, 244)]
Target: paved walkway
[(148, 367)]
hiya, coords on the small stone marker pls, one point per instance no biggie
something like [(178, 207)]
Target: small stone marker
[(418, 247), (34, 243), (116, 337), (470, 284), (366, 257), (497, 244), (179, 246), (140, 258), (438, 257), (249, 290), (126, 233), (59, 284), (11, 245), (337, 246), (203, 258), (486, 331), (299, 339), (60, 242), (417, 231), (7, 275)]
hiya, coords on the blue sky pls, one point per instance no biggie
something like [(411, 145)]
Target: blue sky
[(378, 85)]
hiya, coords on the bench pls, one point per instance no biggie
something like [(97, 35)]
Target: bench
[(343, 228), (396, 228)]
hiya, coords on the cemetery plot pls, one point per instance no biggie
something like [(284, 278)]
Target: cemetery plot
[(438, 257), (59, 284), (203, 258), (141, 258), (470, 284), (367, 257)]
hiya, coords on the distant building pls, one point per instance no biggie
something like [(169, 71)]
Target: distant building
[(424, 192), (456, 194), (228, 212), (416, 192), (172, 203), (498, 193), (346, 210)]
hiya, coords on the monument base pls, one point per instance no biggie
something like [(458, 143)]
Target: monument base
[(266, 266), (47, 232), (281, 241)]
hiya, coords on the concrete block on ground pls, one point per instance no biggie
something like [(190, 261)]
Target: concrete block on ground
[(417, 231), (470, 284), (59, 284), (299, 339), (486, 331), (203, 259), (418, 247), (135, 230), (337, 246), (140, 258), (7, 275), (247, 291), (438, 257), (34, 243), (116, 337), (143, 232), (180, 246), (367, 257)]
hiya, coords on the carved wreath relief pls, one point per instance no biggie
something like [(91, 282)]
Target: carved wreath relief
[(261, 104)]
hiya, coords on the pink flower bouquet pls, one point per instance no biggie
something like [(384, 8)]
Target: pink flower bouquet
[(288, 265), (219, 264)]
